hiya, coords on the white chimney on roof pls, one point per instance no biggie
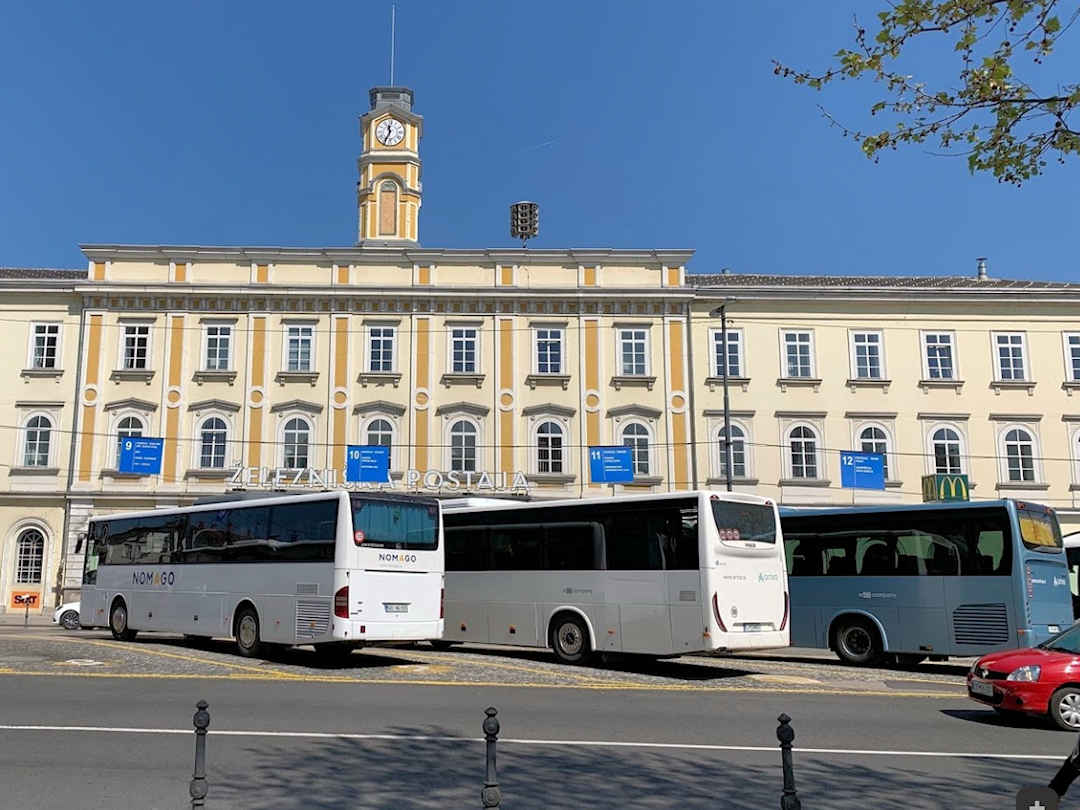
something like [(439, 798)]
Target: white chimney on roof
[(980, 274)]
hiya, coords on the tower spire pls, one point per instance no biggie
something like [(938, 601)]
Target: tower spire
[(393, 32)]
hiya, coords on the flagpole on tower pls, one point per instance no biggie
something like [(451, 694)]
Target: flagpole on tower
[(393, 26)]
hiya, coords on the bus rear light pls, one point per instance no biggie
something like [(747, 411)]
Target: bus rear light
[(341, 603), (787, 608), (442, 603), (716, 612)]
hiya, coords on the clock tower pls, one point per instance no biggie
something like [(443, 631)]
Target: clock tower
[(389, 190)]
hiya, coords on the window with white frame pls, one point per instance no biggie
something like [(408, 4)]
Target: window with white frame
[(636, 436), (1072, 357), (738, 452), (866, 355), (946, 446), (734, 353), (463, 349), (218, 347), (549, 350), (45, 339), (938, 352), (798, 354), (136, 347), (1019, 454), (29, 557), (1009, 354), (129, 427), (380, 433), (296, 443), (300, 340), (803, 449), (36, 440), (633, 352), (213, 438), (463, 446), (873, 439), (381, 340), (549, 448)]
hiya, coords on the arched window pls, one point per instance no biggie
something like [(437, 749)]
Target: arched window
[(1020, 455), (380, 432), (549, 448), (214, 433), (803, 443), (946, 445), (738, 452), (636, 437), (463, 446), (387, 208), (38, 436), (29, 554), (130, 427), (297, 438), (873, 439)]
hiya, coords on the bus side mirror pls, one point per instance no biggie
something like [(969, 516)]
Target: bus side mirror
[(79, 542)]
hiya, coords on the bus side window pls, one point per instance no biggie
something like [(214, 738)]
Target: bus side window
[(303, 532), (466, 548), (630, 546), (246, 539), (803, 556), (516, 548), (678, 537), (571, 547), (992, 555), (124, 542), (874, 557), (205, 538)]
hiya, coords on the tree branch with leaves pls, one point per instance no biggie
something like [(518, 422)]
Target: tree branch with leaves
[(1002, 123)]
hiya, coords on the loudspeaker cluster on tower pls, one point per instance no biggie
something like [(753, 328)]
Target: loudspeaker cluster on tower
[(524, 221)]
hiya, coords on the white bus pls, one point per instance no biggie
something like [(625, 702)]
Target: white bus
[(659, 575), (333, 569)]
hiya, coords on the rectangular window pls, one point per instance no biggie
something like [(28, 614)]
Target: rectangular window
[(866, 355), (218, 347), (549, 351), (1072, 357), (1009, 349), (300, 340), (381, 349), (463, 344), (136, 346), (734, 353), (633, 351), (939, 356), (46, 337), (798, 354)]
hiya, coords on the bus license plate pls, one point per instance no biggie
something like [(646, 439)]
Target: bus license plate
[(982, 688), (751, 628), (396, 607), (1053, 628)]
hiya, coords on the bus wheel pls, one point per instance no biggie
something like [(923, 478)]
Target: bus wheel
[(118, 622), (857, 641), (442, 645), (1065, 708), (570, 639), (247, 633)]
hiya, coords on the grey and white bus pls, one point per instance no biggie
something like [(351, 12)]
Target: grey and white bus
[(660, 575), (333, 569)]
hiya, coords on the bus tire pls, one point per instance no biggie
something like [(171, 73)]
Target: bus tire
[(1065, 708), (118, 621), (856, 641), (247, 633), (570, 638), (442, 645)]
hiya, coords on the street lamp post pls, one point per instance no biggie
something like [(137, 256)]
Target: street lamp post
[(728, 459)]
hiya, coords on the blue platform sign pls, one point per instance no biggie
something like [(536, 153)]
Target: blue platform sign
[(862, 470), (611, 465), (367, 464), (140, 455)]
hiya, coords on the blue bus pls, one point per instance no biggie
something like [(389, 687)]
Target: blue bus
[(930, 580)]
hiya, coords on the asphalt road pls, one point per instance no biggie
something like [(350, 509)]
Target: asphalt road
[(114, 734)]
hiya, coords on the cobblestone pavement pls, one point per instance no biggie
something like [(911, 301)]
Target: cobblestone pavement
[(55, 652)]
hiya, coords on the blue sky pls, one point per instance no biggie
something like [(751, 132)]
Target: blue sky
[(634, 124)]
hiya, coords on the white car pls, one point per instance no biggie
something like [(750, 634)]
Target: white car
[(67, 615)]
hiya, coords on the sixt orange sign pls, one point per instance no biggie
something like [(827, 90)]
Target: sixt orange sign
[(25, 599)]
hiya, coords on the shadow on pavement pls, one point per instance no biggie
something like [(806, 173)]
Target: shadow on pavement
[(925, 668), (988, 717), (292, 656), (433, 774)]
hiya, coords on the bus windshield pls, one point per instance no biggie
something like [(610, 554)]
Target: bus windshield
[(395, 524), (1039, 530), (748, 522)]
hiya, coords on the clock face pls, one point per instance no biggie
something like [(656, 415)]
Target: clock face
[(390, 132)]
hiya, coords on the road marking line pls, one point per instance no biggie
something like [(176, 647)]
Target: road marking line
[(329, 735)]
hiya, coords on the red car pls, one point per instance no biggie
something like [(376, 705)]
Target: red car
[(1042, 680)]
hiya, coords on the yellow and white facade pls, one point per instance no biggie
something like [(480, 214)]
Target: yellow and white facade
[(494, 370)]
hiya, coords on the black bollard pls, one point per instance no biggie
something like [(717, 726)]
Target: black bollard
[(786, 734), (490, 795), (198, 787)]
